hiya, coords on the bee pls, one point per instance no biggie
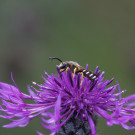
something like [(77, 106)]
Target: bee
[(75, 68)]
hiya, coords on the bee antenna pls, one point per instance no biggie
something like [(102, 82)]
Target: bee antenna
[(56, 59)]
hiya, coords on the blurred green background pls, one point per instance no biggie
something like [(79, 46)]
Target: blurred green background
[(95, 32)]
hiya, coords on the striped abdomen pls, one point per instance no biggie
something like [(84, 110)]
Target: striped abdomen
[(89, 75)]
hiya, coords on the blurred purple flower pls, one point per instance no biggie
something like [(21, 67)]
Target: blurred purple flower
[(65, 94)]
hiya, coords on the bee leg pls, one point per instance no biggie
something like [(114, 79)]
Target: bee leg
[(81, 77), (61, 70), (75, 69), (67, 69)]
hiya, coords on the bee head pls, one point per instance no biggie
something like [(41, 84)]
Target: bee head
[(62, 66)]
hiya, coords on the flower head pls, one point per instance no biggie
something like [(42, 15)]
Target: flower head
[(66, 94)]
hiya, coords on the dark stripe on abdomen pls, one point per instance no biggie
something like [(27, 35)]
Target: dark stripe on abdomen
[(89, 75)]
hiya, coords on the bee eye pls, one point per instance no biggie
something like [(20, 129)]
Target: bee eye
[(63, 66)]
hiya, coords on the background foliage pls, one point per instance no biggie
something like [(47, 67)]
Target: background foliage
[(87, 31)]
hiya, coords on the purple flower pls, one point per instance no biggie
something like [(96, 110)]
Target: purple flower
[(65, 94)]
